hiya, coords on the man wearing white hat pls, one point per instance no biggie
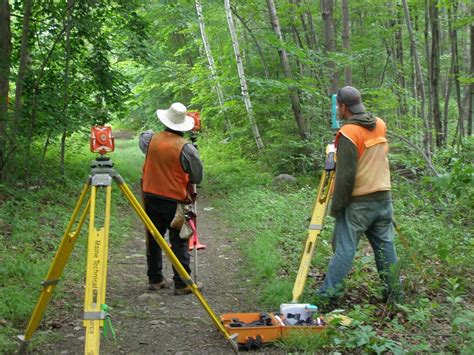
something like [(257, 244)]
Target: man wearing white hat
[(171, 165)]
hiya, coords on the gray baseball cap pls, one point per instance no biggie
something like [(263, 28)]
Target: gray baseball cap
[(350, 97)]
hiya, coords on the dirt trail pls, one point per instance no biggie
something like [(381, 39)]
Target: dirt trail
[(157, 321)]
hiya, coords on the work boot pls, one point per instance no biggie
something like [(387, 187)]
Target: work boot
[(187, 290), (157, 286)]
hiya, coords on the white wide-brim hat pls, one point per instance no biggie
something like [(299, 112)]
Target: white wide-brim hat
[(175, 118)]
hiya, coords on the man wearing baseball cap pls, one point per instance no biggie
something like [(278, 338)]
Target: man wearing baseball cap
[(361, 201), (171, 165)]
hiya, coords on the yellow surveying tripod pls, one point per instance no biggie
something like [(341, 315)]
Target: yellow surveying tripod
[(317, 220), (319, 212), (95, 310)]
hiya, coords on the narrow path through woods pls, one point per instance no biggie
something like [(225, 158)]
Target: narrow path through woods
[(157, 321)]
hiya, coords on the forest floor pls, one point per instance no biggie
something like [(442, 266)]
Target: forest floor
[(158, 321)]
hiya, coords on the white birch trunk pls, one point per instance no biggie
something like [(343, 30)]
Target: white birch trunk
[(210, 58), (243, 81)]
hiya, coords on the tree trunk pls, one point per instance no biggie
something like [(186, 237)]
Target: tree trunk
[(389, 54), (429, 94), (22, 68), (346, 40), (453, 35), (245, 47), (435, 72), (312, 31), (470, 103), (311, 40), (294, 98), (210, 60), (69, 6), (400, 65), (330, 42), (304, 25), (392, 49), (255, 41), (5, 51), (449, 81), (419, 80), (210, 57), (308, 28), (413, 86), (243, 81), (296, 37)]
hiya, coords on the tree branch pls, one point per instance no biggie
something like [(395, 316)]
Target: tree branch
[(428, 161), (259, 49)]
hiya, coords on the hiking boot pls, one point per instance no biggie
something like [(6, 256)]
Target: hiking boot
[(187, 290), (157, 286)]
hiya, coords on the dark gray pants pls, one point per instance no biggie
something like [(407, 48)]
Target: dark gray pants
[(161, 213)]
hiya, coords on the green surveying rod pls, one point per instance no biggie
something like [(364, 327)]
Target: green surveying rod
[(334, 121)]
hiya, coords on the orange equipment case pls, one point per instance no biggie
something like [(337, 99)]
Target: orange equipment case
[(268, 333)]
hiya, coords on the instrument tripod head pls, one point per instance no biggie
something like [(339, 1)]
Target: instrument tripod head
[(197, 127), (102, 172), (102, 162)]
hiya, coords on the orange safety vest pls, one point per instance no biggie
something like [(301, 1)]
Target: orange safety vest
[(163, 174), (373, 173)]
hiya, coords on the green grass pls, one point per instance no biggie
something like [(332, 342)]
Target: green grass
[(270, 221), (33, 221)]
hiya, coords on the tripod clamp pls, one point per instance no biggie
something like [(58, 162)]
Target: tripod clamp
[(102, 172)]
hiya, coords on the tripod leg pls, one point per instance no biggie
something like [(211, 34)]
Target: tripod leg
[(195, 263), (57, 267), (193, 241), (96, 275), (407, 246), (177, 265), (314, 230)]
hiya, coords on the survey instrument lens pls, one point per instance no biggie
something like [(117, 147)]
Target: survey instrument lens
[(101, 140)]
